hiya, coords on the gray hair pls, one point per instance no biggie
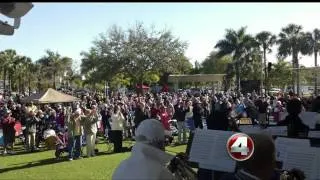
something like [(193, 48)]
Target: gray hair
[(157, 143)]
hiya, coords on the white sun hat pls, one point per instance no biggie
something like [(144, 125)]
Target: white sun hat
[(150, 130)]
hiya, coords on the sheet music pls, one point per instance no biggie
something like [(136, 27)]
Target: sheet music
[(201, 146), (250, 129), (254, 130), (278, 130), (282, 144), (314, 134), (305, 159), (224, 166), (209, 150), (310, 118)]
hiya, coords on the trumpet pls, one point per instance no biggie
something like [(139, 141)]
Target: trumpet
[(180, 168)]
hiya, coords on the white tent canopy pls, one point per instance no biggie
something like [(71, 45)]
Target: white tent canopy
[(50, 96)]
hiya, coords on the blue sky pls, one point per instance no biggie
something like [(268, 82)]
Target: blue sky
[(70, 28)]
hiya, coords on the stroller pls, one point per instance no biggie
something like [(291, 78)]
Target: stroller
[(56, 141), (61, 144)]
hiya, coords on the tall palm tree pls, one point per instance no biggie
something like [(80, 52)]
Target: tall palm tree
[(18, 72), (55, 64), (32, 72), (265, 40), (8, 58), (292, 41), (313, 39), (2, 68), (235, 43)]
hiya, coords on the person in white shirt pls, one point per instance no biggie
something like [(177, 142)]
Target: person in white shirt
[(117, 127), (148, 159)]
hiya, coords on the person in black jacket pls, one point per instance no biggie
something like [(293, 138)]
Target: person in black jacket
[(197, 114), (220, 119), (296, 128), (140, 114), (316, 104), (180, 115)]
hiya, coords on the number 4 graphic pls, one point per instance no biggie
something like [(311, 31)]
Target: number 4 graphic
[(240, 145)]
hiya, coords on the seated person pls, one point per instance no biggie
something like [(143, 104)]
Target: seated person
[(148, 159), (296, 128)]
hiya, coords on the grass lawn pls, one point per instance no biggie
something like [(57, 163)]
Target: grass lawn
[(43, 165)]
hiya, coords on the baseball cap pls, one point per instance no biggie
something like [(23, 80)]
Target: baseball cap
[(150, 130)]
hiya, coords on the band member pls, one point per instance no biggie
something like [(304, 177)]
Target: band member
[(148, 159)]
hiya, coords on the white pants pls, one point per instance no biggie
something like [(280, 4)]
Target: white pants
[(31, 140), (91, 142), (182, 131)]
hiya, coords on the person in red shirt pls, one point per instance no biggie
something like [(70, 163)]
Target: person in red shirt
[(155, 112), (164, 117), (8, 123)]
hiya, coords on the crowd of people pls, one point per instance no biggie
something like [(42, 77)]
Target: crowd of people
[(223, 114), (119, 116)]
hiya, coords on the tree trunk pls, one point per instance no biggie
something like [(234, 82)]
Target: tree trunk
[(265, 73), (10, 82), (39, 84), (296, 70), (54, 80), (315, 73), (293, 73), (19, 84), (29, 85), (238, 78), (24, 85), (4, 79), (141, 87)]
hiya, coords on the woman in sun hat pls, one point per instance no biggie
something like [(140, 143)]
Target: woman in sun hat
[(148, 152)]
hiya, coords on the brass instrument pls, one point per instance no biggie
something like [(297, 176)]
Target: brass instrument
[(180, 168), (293, 174)]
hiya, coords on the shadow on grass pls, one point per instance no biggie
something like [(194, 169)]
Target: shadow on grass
[(32, 164)]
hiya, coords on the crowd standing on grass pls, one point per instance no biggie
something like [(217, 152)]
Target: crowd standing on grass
[(117, 117)]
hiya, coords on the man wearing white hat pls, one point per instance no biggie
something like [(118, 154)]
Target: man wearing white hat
[(148, 159)]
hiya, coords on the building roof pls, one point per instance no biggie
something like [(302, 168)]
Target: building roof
[(196, 78)]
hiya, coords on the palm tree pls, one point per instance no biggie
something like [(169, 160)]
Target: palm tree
[(8, 58), (19, 71), (54, 63), (236, 43), (265, 40), (2, 68), (292, 41), (313, 39)]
